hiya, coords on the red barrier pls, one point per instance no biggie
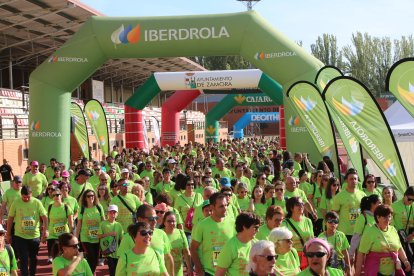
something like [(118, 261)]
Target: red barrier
[(282, 129), (170, 117), (134, 134)]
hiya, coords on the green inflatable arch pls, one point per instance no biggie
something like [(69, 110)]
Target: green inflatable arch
[(103, 38)]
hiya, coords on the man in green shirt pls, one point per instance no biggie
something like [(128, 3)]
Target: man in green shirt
[(35, 180), (10, 195), (210, 235), (50, 171), (26, 212), (81, 184), (221, 169)]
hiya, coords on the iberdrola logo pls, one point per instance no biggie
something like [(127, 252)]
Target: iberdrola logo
[(240, 99), (93, 115), (294, 120), (35, 126), (126, 35), (354, 144), (303, 104), (408, 95), (390, 167), (259, 56), (349, 108), (102, 140)]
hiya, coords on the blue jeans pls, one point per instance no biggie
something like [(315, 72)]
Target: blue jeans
[(28, 250)]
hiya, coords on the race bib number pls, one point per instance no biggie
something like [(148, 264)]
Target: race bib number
[(28, 223), (216, 253), (3, 272), (93, 232), (354, 214), (59, 228)]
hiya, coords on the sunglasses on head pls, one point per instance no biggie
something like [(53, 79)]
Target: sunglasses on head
[(315, 254), (269, 257), (144, 233), (334, 221)]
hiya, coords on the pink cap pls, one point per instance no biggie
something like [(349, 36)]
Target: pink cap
[(161, 207), (34, 163), (65, 174), (322, 242)]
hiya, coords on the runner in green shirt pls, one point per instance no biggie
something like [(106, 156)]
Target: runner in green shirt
[(110, 231), (210, 235), (243, 198), (8, 263), (369, 186), (67, 199), (35, 179), (81, 184), (287, 261), (258, 202), (10, 196), (262, 259), (166, 185), (131, 262), (273, 219), (67, 258), (234, 255)]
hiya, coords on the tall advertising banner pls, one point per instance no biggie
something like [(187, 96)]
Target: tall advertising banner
[(351, 144), (97, 120), (400, 82), (308, 103), (357, 108), (80, 131)]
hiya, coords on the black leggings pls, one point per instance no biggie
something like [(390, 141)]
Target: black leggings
[(50, 243), (91, 251)]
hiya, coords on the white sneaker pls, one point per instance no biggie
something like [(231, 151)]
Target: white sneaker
[(49, 260), (101, 262)]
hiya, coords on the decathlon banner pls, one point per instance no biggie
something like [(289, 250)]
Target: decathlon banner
[(352, 146), (357, 108), (253, 117), (97, 120), (400, 82), (80, 131), (307, 101)]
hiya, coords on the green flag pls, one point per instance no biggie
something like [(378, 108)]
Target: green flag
[(308, 103), (400, 82), (97, 120), (352, 146), (80, 130), (355, 105)]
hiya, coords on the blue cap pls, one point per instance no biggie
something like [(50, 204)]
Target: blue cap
[(225, 182)]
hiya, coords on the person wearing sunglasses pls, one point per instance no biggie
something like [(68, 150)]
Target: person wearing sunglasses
[(179, 244), (380, 251), (89, 218), (160, 241), (287, 261), (67, 259), (48, 195), (318, 252), (35, 180), (243, 198), (25, 213), (60, 220), (262, 258), (338, 241), (234, 255), (95, 178), (369, 185), (273, 219), (331, 190)]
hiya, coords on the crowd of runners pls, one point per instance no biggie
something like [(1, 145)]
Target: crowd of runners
[(230, 208)]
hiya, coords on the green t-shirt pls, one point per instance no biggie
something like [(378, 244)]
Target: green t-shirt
[(162, 187), (331, 271), (297, 192), (211, 236), (400, 215), (305, 229), (224, 173), (150, 175), (5, 265), (82, 269), (184, 203), (124, 215), (149, 263), (375, 240), (347, 205), (263, 232), (107, 227), (77, 189), (46, 201), (72, 203), (363, 222), (178, 242), (58, 220), (244, 203), (94, 180), (260, 210), (37, 182), (277, 202), (198, 215), (91, 218), (326, 203), (234, 256), (148, 198), (10, 196), (375, 192), (27, 217), (49, 173), (338, 241), (288, 263)]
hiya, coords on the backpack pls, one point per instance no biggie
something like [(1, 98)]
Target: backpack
[(11, 255)]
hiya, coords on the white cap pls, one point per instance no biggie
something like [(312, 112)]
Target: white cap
[(2, 230), (112, 208), (171, 161), (125, 170)]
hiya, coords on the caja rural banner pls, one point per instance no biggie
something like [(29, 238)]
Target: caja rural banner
[(400, 82), (307, 101), (80, 131), (97, 120), (253, 117), (351, 144), (355, 105)]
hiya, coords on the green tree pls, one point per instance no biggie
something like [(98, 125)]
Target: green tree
[(403, 48), (221, 62), (326, 50)]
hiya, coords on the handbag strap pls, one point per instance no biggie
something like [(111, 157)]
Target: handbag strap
[(296, 231), (191, 206), (126, 205)]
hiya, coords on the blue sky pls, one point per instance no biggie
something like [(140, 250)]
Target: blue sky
[(299, 19)]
